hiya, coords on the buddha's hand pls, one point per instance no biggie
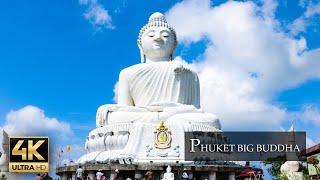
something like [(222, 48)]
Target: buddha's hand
[(102, 114), (178, 70), (154, 108)]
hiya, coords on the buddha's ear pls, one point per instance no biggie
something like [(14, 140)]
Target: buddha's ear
[(172, 56), (142, 56)]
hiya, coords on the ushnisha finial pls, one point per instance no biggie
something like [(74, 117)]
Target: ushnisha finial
[(157, 17)]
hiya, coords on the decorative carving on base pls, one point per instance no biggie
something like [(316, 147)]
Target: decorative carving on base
[(153, 152), (162, 137)]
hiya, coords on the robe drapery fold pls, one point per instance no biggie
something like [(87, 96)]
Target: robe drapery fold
[(159, 83)]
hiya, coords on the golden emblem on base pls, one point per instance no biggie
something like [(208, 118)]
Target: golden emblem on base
[(162, 137)]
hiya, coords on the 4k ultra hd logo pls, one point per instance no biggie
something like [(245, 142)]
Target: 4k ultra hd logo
[(29, 154)]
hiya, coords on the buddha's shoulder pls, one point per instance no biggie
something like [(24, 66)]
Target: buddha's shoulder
[(132, 69)]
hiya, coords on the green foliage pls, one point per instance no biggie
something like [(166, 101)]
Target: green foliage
[(274, 169), (314, 161), (305, 172), (275, 164), (282, 177), (3, 177)]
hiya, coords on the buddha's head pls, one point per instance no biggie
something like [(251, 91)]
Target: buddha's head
[(168, 169), (157, 40)]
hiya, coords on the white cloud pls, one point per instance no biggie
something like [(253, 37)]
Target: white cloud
[(97, 15), (303, 3), (312, 9), (310, 114), (298, 25), (301, 23), (248, 60), (32, 121), (268, 9), (115, 91), (310, 142)]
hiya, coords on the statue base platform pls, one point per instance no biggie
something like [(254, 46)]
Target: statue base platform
[(139, 142), (220, 170)]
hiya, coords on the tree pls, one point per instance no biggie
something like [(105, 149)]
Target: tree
[(3, 177), (314, 161), (275, 163)]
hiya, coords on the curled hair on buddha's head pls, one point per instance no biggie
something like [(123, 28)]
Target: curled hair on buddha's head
[(156, 20)]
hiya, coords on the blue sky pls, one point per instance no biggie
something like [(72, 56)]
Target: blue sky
[(56, 56), (52, 57)]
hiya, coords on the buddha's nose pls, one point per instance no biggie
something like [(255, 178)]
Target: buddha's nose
[(157, 37)]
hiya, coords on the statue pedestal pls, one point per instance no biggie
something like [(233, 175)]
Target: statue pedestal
[(65, 176), (135, 143), (92, 174), (232, 176), (138, 171), (212, 176), (138, 175)]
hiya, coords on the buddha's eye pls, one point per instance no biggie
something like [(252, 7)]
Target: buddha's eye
[(151, 34), (165, 34)]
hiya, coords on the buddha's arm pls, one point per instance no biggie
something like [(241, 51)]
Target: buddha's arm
[(124, 96)]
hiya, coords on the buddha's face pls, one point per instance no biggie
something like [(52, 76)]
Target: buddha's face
[(168, 169), (158, 43)]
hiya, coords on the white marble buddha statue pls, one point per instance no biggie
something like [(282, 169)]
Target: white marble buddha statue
[(158, 80), (168, 175), (4, 157), (159, 83), (159, 89)]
